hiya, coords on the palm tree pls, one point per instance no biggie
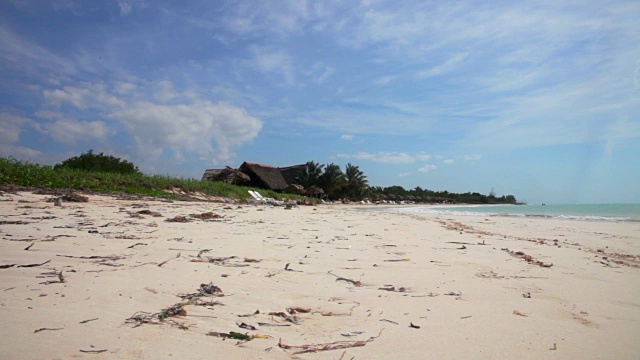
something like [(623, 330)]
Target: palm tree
[(356, 181), (332, 180), (310, 175)]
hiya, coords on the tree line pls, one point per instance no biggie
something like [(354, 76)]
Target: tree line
[(336, 184), (352, 184)]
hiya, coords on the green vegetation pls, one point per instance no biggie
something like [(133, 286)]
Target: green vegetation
[(109, 174), (422, 195), (27, 174), (352, 184), (98, 163)]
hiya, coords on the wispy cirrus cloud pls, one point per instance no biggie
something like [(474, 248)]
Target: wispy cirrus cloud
[(269, 61), (387, 157)]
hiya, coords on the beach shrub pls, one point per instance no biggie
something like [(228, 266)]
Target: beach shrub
[(98, 163)]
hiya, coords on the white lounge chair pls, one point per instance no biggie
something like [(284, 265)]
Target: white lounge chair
[(256, 195)]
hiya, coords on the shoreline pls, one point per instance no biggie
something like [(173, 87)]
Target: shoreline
[(378, 284)]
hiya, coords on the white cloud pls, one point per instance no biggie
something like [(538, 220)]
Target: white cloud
[(20, 152), (320, 72), (474, 157), (347, 137), (445, 67), (22, 55), (71, 131), (448, 161), (404, 174), (208, 129), (82, 96), (427, 168), (384, 80), (48, 114), (388, 157), (125, 7), (382, 157), (155, 115), (269, 60), (163, 91), (125, 87), (11, 126), (248, 19)]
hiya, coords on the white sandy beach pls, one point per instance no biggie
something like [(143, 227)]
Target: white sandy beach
[(353, 278)]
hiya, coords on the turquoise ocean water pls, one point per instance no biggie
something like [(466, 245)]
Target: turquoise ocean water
[(589, 212)]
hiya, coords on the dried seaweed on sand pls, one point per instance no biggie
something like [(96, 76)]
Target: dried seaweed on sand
[(302, 349)]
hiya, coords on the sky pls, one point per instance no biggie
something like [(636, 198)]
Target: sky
[(537, 99)]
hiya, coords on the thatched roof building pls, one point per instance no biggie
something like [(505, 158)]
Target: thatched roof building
[(290, 173), (264, 176), (211, 174), (228, 175)]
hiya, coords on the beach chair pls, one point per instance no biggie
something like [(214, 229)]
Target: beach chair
[(256, 195)]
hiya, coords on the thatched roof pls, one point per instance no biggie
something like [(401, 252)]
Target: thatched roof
[(228, 175), (210, 174), (290, 173), (264, 176)]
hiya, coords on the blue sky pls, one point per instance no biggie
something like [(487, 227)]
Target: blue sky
[(539, 99)]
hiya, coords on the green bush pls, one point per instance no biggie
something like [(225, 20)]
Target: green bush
[(98, 163)]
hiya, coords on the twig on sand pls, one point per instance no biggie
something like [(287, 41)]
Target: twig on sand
[(110, 257), (286, 267), (86, 321), (29, 247), (166, 261), (34, 265), (136, 244), (356, 283), (398, 260), (26, 265), (326, 346), (43, 329), (389, 321), (93, 351)]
